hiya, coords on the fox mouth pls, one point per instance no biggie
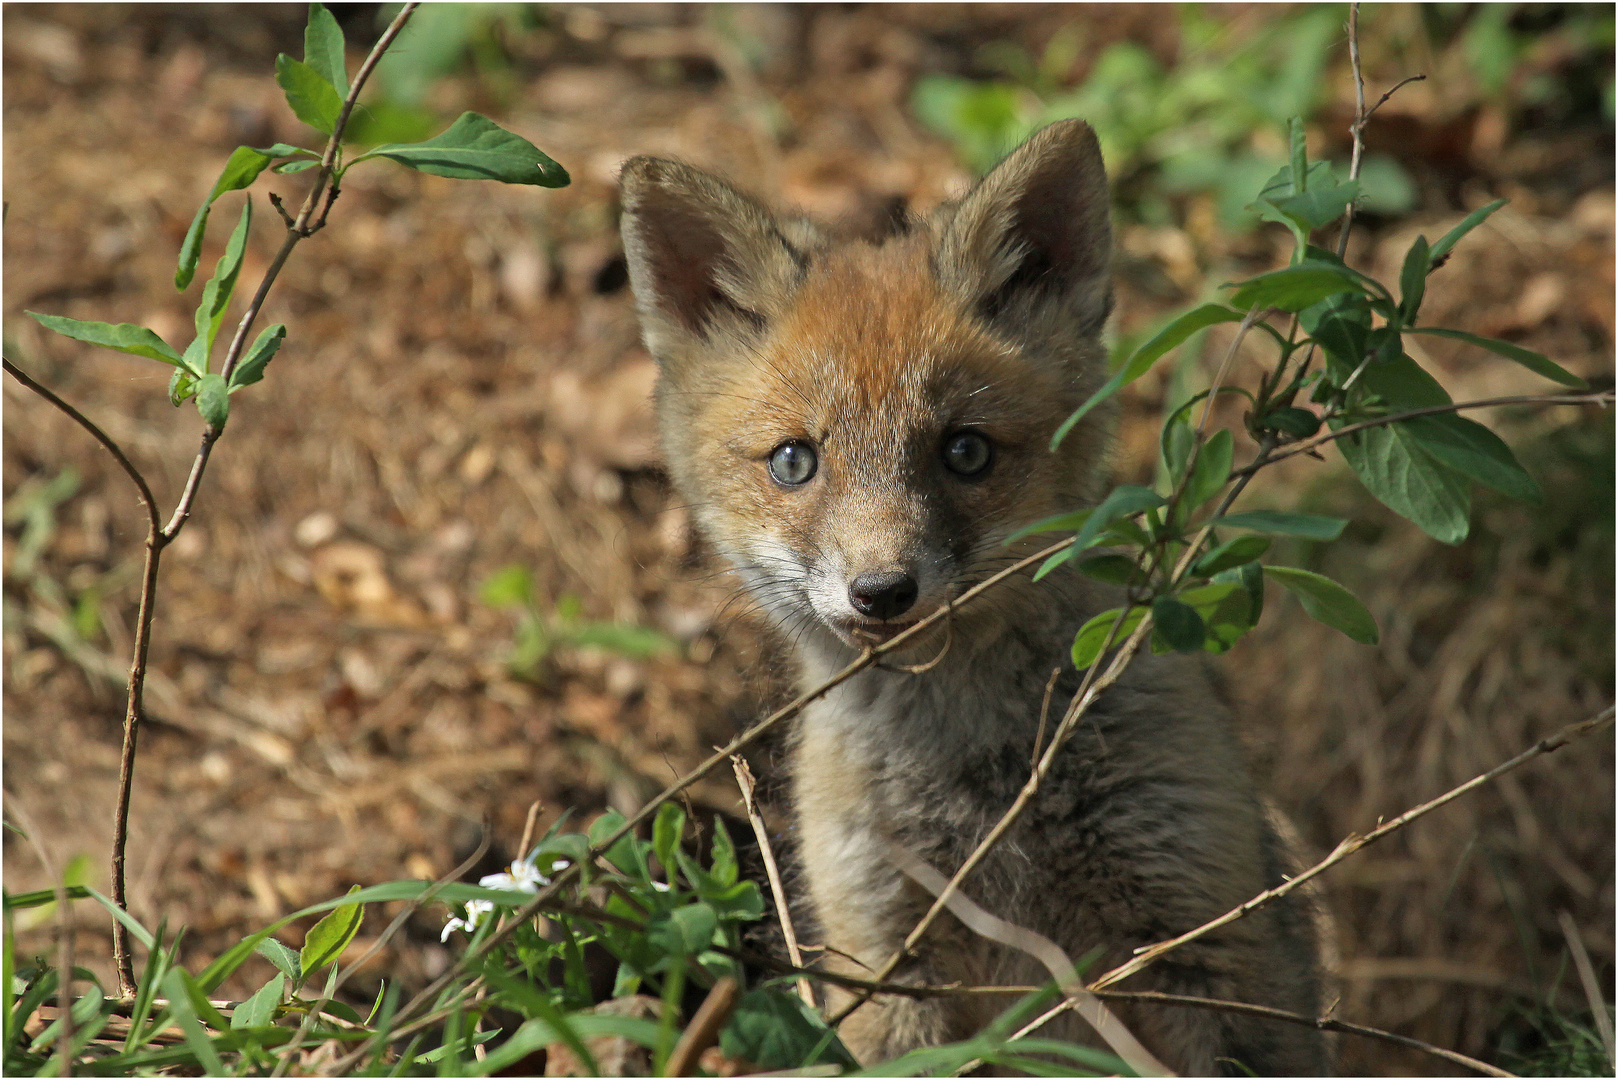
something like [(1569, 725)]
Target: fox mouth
[(877, 633)]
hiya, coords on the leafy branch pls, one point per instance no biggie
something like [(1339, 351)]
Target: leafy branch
[(319, 93)]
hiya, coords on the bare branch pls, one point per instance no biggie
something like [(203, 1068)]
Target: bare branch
[(703, 1031), (1323, 1023), (100, 436), (744, 780), (1352, 843), (1051, 955)]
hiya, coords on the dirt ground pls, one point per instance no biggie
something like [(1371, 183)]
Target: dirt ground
[(463, 389)]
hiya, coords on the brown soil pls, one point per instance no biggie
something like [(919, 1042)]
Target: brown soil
[(463, 389)]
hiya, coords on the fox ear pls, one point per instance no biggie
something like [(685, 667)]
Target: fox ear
[(704, 259), (1033, 241)]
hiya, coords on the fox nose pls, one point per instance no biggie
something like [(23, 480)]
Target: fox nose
[(882, 594)]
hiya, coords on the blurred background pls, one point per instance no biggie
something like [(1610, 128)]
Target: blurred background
[(436, 572)]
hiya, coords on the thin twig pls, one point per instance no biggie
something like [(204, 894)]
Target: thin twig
[(1587, 977), (1044, 715), (1357, 129), (100, 436), (1051, 955), (703, 1031), (744, 780), (1322, 1023), (1352, 843), (1596, 397)]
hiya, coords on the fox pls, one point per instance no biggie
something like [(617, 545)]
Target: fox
[(858, 424)]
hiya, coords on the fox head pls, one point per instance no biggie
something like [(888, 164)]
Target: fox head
[(858, 424)]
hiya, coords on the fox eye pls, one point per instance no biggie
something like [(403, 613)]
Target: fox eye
[(966, 453), (792, 463)]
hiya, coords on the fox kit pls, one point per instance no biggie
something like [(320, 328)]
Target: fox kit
[(858, 425)]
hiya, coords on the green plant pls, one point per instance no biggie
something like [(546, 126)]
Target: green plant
[(1198, 125), (539, 632), (318, 91)]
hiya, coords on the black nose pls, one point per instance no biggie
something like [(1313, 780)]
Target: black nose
[(882, 594)]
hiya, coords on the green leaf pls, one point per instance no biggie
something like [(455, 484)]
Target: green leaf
[(1211, 470), (213, 400), (1113, 568), (1472, 450), (1123, 501), (240, 171), (1328, 602), (1176, 443), (1529, 359), (1232, 553), (476, 148), (1468, 223), (1402, 383), (1318, 207), (142, 935), (288, 168), (330, 936), (182, 384), (685, 931), (723, 855), (1070, 522), (510, 586), (1178, 624), (1307, 526), (1092, 635), (1295, 287), (1407, 480), (1413, 280), (283, 958), (1299, 423), (259, 1010), (125, 337), (1341, 325), (177, 985), (773, 1028), (314, 100), (323, 48), (667, 828), (217, 292), (262, 351), (1148, 354), (1299, 154), (1226, 609)]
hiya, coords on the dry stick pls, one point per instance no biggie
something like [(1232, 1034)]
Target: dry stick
[(1595, 397), (1587, 976), (1357, 128), (1323, 1023), (1051, 955), (744, 780), (736, 745), (1352, 843), (703, 1031)]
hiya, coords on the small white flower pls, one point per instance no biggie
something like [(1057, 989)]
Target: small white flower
[(475, 910)]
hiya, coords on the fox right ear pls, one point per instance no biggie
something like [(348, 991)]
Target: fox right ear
[(704, 259)]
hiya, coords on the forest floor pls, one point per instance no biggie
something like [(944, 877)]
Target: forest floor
[(463, 390)]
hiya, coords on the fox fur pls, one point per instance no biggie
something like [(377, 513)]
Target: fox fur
[(872, 355)]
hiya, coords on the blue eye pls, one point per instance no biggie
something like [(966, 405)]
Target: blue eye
[(966, 453), (793, 463)]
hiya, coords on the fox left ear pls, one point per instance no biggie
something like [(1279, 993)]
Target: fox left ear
[(705, 260), (1033, 241)]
